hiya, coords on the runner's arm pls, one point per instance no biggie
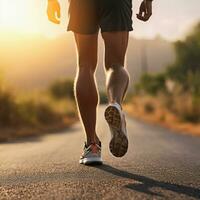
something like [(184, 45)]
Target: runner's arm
[(145, 10), (53, 11)]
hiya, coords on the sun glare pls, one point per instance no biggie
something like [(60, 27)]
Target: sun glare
[(28, 16), (14, 14)]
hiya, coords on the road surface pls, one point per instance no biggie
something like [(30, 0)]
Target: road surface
[(159, 165)]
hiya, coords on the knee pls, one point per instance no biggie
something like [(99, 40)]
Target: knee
[(117, 70), (88, 67), (114, 67)]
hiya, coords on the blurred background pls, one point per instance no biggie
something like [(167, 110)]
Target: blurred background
[(38, 64)]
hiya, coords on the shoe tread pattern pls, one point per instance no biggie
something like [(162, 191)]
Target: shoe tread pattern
[(119, 142)]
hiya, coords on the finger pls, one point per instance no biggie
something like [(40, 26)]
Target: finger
[(57, 17), (149, 11), (147, 16), (140, 14), (140, 17), (149, 8), (142, 8), (143, 18), (53, 19), (48, 13), (58, 12)]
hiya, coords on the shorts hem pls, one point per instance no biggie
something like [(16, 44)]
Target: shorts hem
[(82, 32), (102, 30), (116, 30)]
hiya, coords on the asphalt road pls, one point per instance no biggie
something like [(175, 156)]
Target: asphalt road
[(160, 164)]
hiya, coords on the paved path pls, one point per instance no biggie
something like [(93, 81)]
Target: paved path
[(159, 165)]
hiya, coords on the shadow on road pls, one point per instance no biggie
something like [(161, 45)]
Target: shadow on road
[(147, 183)]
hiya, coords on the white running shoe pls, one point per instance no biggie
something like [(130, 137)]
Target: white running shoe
[(117, 124), (91, 155)]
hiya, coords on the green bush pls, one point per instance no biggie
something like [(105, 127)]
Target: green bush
[(16, 112), (151, 84), (184, 105), (61, 89), (193, 81), (26, 114), (192, 114), (186, 69), (45, 114), (103, 97), (8, 109), (31, 113)]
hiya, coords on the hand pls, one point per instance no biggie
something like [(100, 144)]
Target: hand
[(145, 11), (53, 11)]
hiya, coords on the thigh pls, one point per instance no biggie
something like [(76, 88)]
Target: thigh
[(87, 49), (83, 16), (115, 47), (115, 15)]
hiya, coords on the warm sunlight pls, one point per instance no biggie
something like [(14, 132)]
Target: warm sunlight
[(14, 14), (26, 17), (113, 85), (29, 16)]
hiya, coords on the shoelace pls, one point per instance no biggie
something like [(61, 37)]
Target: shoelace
[(93, 147)]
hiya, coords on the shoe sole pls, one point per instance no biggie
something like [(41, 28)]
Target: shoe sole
[(119, 141), (91, 161)]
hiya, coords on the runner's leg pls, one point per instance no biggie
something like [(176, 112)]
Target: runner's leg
[(117, 77), (85, 84)]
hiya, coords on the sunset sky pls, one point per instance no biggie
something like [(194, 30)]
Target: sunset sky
[(171, 18)]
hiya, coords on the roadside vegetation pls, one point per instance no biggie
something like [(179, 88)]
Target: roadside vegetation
[(172, 98), (36, 112)]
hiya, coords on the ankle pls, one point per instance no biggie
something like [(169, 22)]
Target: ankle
[(119, 103), (96, 141)]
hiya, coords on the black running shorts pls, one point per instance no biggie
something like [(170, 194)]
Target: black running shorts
[(87, 16)]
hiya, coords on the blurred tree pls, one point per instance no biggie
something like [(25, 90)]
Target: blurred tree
[(186, 69), (181, 82), (61, 89), (103, 97), (151, 84), (7, 108)]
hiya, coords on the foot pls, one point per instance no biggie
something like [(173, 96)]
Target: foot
[(117, 124), (91, 155)]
